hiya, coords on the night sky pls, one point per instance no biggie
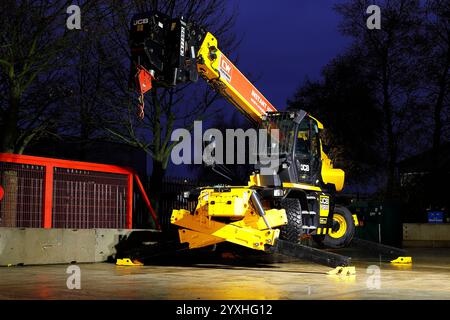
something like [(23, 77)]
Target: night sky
[(283, 43), (286, 41)]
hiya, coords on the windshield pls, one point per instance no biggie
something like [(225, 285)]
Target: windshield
[(285, 127)]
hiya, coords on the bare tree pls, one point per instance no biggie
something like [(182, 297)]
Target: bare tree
[(344, 91), (85, 113), (436, 61), (390, 54), (33, 56)]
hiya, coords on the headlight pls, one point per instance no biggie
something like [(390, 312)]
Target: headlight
[(186, 194)]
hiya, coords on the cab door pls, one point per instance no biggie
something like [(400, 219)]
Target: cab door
[(307, 152)]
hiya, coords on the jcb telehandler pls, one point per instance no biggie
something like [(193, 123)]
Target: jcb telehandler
[(274, 211)]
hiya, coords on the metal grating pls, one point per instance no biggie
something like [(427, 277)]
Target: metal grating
[(23, 200), (171, 197), (88, 199)]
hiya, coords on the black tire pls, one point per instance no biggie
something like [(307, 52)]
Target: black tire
[(343, 241), (293, 230)]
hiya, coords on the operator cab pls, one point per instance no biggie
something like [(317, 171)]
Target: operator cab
[(297, 147)]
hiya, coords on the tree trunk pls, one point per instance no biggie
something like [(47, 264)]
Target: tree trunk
[(391, 143), (437, 115), (392, 156), (9, 128), (156, 183), (436, 137), (156, 180), (8, 205)]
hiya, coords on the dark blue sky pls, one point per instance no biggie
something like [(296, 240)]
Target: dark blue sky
[(286, 41)]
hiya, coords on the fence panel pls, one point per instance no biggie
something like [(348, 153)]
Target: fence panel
[(21, 205), (171, 197), (54, 193), (89, 199)]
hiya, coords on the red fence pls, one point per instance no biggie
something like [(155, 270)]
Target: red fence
[(53, 193)]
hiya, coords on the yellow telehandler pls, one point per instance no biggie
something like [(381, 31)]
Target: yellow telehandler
[(277, 208)]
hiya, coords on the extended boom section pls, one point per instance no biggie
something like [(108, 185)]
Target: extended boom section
[(223, 75), (166, 52)]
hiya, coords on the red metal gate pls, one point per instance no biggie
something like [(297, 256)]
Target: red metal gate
[(53, 193)]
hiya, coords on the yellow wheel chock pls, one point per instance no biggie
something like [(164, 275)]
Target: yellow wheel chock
[(342, 271), (128, 262), (402, 260)]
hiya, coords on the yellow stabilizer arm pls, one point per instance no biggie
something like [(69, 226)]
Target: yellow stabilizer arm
[(200, 231)]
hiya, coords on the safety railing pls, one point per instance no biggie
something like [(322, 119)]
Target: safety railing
[(54, 193)]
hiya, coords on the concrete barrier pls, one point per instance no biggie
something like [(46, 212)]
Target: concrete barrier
[(32, 246), (426, 235)]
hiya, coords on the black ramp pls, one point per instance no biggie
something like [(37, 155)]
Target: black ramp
[(377, 247), (303, 252)]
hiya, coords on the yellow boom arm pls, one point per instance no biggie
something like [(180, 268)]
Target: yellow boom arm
[(223, 75)]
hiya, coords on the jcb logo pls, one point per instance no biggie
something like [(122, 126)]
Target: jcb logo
[(304, 167), (140, 21), (324, 205)]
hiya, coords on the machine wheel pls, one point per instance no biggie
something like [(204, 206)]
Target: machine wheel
[(292, 231), (343, 229)]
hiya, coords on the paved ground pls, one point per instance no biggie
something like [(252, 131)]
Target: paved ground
[(250, 278)]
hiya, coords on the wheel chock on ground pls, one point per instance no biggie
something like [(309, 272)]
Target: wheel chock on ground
[(402, 260), (342, 271), (128, 262)]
